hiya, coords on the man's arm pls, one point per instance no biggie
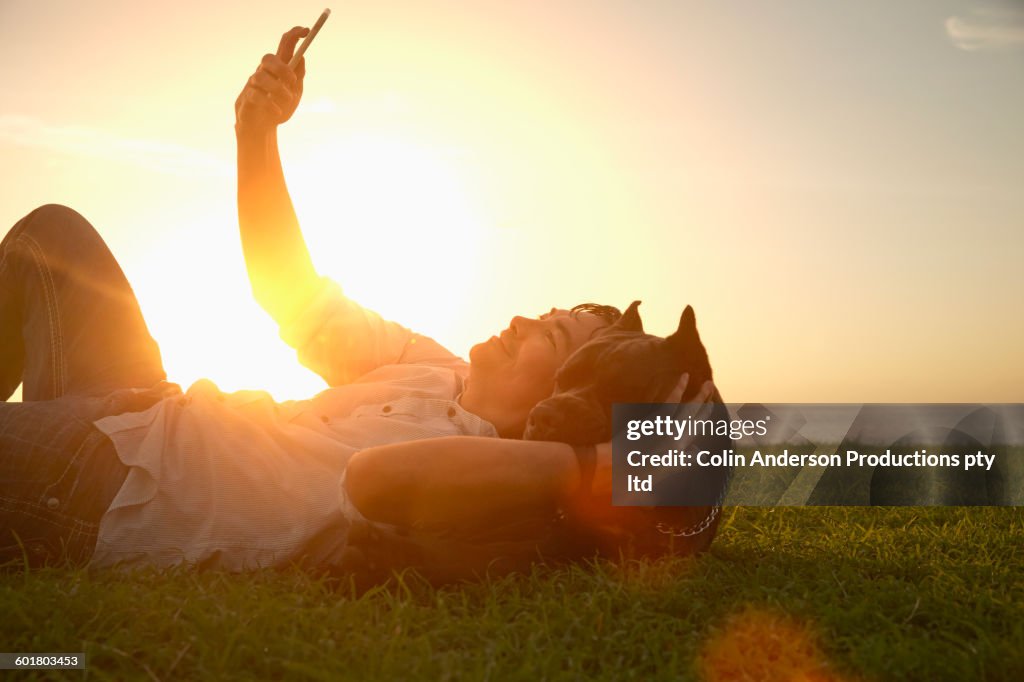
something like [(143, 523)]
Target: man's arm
[(334, 336), (280, 269), (446, 482)]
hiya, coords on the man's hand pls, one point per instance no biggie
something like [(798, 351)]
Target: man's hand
[(272, 93)]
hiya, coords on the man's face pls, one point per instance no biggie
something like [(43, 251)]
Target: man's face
[(510, 373)]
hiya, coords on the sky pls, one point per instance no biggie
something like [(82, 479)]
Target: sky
[(834, 187)]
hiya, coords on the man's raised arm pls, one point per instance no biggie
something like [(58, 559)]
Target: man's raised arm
[(280, 269)]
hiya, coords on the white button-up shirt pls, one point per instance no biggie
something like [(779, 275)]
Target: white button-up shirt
[(239, 481)]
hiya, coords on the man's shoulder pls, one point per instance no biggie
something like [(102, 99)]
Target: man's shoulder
[(423, 350), (444, 375)]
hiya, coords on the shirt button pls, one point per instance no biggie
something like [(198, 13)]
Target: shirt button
[(451, 411), (52, 503), (324, 418), (386, 409)]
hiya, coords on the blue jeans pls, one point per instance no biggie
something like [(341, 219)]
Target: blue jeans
[(72, 333)]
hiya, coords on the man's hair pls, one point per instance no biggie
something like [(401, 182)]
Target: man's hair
[(608, 313)]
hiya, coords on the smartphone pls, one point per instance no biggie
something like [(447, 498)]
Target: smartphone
[(308, 39)]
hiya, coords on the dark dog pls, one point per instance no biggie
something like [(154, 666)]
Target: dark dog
[(625, 365), (621, 365)]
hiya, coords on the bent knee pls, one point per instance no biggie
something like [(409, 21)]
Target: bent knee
[(54, 223), (56, 214)]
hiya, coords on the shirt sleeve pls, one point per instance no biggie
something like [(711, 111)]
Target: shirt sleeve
[(341, 340)]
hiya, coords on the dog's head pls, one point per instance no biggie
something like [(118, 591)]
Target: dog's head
[(621, 365)]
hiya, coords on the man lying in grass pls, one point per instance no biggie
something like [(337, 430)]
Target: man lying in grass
[(412, 447)]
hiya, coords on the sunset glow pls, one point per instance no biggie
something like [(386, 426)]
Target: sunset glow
[(393, 221), (838, 201)]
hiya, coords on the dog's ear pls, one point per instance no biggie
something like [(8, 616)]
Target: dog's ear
[(690, 353), (685, 339), (686, 344), (686, 334), (630, 320)]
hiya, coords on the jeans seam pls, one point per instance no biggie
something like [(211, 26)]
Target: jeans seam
[(53, 310), (87, 441), (78, 537), (40, 513)]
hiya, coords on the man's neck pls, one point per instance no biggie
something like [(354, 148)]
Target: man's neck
[(506, 428)]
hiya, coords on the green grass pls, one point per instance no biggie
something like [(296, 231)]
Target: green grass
[(843, 593)]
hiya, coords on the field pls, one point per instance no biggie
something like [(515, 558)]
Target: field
[(785, 594)]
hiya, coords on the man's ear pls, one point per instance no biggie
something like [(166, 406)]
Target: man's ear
[(630, 320), (686, 334)]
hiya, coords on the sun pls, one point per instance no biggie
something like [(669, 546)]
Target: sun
[(393, 222), (390, 220)]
